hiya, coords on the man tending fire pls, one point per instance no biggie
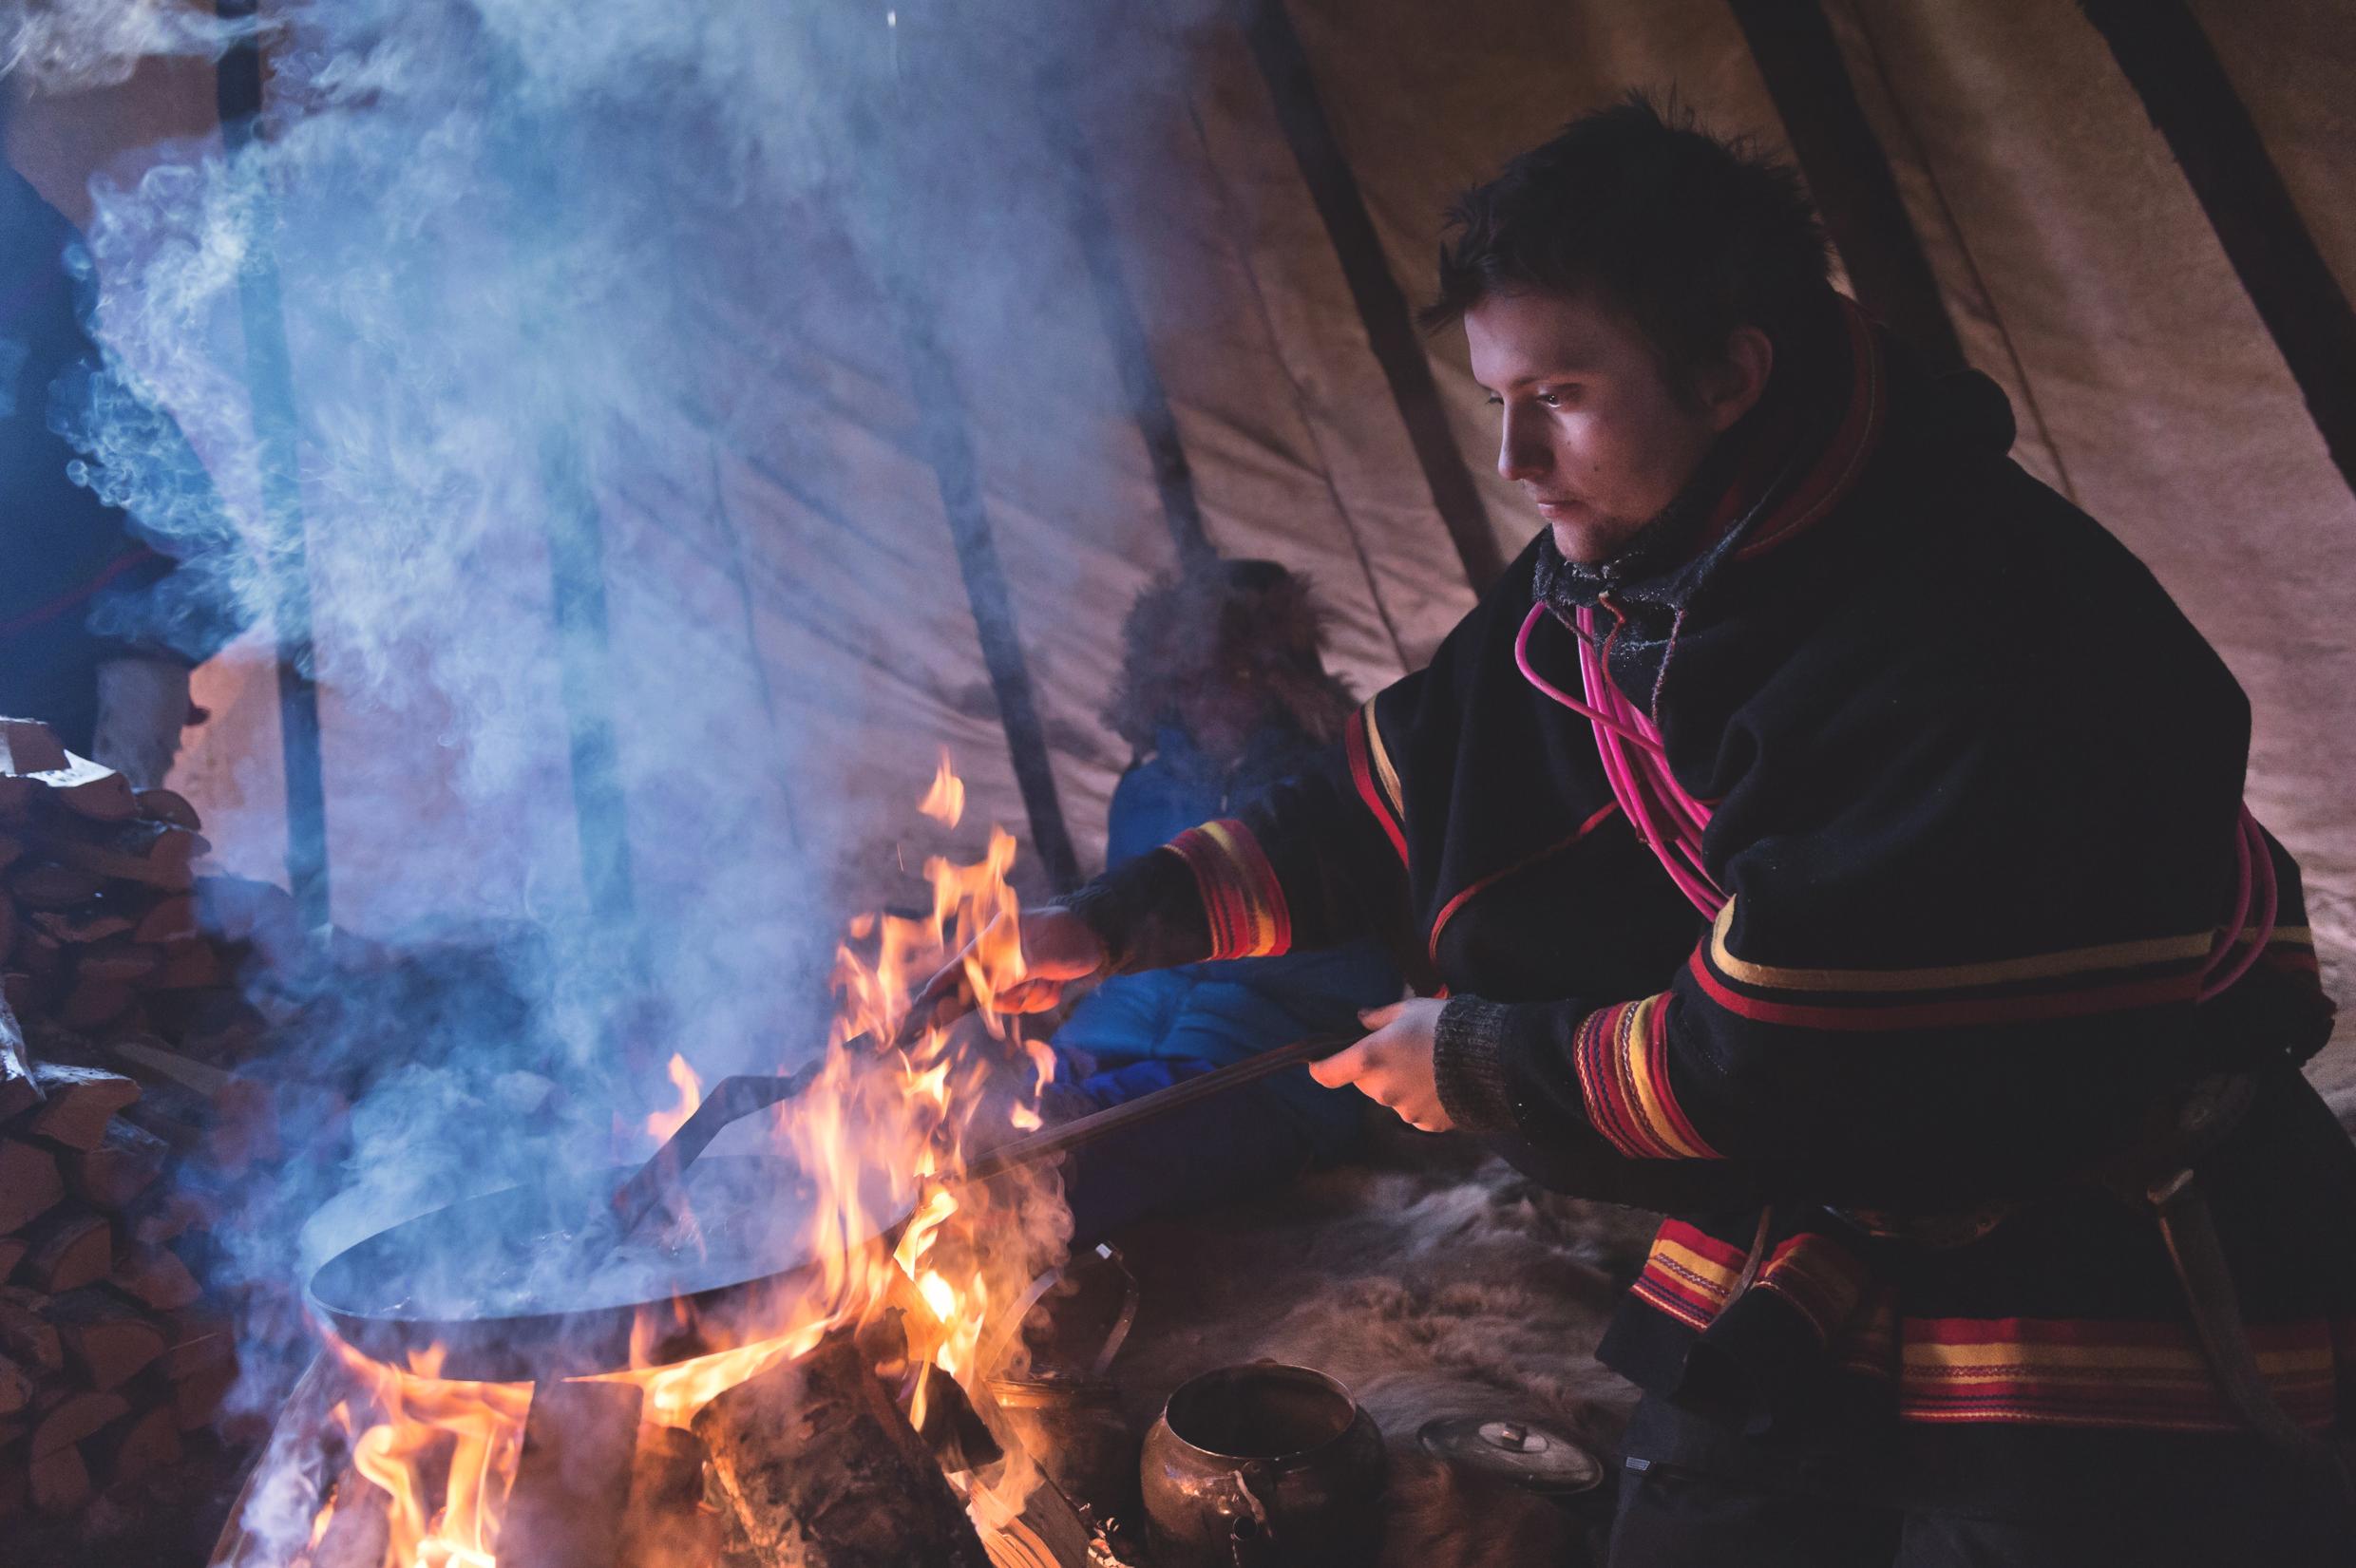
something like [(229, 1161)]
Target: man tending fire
[(1826, 825)]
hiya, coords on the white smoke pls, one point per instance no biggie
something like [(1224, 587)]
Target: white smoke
[(556, 277)]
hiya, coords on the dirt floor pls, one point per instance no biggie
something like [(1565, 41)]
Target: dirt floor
[(1430, 1283)]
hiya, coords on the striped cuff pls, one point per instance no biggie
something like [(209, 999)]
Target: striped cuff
[(1242, 899), (1467, 1046), (1623, 1076)]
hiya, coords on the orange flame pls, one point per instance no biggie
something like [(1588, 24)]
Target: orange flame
[(664, 1123), (883, 1138)]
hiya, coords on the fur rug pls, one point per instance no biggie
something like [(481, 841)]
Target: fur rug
[(1430, 1285)]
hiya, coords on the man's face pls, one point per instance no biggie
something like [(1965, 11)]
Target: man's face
[(1593, 432)]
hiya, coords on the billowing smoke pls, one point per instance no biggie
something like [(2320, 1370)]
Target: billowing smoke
[(615, 294)]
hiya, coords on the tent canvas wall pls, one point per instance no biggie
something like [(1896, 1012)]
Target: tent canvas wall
[(795, 632)]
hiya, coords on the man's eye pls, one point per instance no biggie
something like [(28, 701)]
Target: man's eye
[(1552, 397), (1494, 401)]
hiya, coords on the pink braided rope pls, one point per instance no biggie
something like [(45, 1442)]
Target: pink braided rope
[(1637, 767)]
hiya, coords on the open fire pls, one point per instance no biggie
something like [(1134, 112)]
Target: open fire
[(881, 1140)]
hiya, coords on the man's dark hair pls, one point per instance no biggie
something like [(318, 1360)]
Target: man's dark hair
[(1688, 235)]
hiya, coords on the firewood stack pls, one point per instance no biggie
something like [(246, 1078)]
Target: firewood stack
[(118, 1108)]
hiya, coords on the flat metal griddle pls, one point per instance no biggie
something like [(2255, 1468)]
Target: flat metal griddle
[(500, 1281)]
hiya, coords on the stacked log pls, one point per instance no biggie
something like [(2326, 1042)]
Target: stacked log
[(109, 1352)]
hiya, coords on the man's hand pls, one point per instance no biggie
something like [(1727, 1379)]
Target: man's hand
[(1394, 1063), (1057, 949)]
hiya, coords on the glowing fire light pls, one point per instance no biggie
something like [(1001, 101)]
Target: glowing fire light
[(664, 1123), (879, 1137)]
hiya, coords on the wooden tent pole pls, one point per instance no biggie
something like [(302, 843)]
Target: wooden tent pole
[(269, 383), (1382, 306), (1847, 173), (1133, 352), (957, 472), (2174, 70)]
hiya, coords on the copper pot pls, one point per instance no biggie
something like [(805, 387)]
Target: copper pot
[(1264, 1465)]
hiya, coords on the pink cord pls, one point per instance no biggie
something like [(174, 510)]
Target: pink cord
[(1645, 783)]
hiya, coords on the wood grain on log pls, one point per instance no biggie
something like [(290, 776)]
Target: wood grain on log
[(90, 790), (168, 806), (359, 1531), (149, 854), (134, 1447), (29, 747), (90, 1002), (72, 1246), (113, 1174), (74, 1416), (80, 925), (824, 1471), (19, 1091), (171, 918), (119, 960), (155, 1277), (197, 1398), (77, 1103), (195, 1339), (30, 1185), (189, 964), (15, 1387), (667, 1525), (572, 1481), (27, 1337), (60, 1483), (50, 886), (106, 1339)]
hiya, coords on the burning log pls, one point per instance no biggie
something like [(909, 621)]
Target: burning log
[(821, 1469), (572, 1478), (667, 1525), (359, 1531)]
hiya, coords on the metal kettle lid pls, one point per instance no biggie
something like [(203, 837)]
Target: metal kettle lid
[(1532, 1457)]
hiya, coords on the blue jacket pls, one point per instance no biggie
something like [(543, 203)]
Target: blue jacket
[(1220, 1012)]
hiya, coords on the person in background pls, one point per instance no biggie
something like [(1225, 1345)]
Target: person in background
[(1223, 694), (99, 629)]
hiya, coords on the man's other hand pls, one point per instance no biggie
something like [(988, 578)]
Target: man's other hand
[(1394, 1063)]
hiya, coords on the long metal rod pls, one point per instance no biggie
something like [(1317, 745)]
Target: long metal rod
[(270, 381), (1080, 1130)]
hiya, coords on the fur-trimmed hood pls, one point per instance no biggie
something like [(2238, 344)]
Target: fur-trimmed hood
[(1227, 622)]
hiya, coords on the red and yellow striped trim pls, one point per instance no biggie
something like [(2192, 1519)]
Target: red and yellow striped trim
[(1689, 1273), (1692, 1275), (1377, 780), (1242, 899), (1623, 1076), (2072, 1372), (2068, 983)]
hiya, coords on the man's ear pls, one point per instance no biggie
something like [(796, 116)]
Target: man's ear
[(1733, 386)]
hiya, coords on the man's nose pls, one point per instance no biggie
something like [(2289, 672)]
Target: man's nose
[(1522, 452)]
